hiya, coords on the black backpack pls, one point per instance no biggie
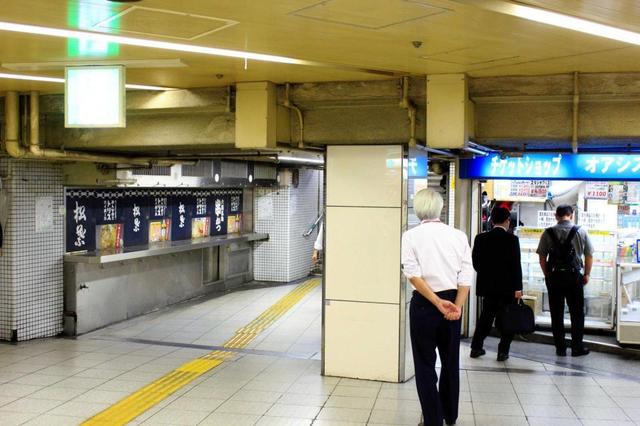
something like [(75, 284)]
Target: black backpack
[(563, 256)]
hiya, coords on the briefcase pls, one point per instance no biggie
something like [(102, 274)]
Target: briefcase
[(516, 318)]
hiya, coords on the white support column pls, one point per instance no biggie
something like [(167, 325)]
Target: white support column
[(365, 321)]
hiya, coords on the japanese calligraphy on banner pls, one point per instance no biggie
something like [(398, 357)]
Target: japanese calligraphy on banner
[(136, 220), (596, 191), (81, 224), (553, 166), (219, 217), (181, 214)]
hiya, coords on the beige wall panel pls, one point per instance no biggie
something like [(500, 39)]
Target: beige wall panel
[(364, 176), (609, 119), (363, 254), (256, 115), (523, 120), (447, 111), (361, 340)]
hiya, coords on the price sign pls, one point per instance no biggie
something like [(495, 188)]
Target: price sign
[(597, 191)]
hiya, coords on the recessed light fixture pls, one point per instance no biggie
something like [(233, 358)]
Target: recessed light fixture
[(61, 80), (559, 20), (153, 44), (303, 160)]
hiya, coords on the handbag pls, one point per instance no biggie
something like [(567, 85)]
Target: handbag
[(516, 318)]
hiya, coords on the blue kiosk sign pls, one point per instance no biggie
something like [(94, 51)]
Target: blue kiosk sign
[(614, 167)]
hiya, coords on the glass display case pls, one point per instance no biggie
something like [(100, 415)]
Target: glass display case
[(599, 293), (628, 331)]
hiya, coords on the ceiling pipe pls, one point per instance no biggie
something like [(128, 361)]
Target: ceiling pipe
[(407, 104), (34, 151), (576, 104), (287, 104)]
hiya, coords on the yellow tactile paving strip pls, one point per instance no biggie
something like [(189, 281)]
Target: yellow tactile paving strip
[(143, 399)]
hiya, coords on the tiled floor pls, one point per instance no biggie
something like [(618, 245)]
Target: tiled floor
[(277, 381)]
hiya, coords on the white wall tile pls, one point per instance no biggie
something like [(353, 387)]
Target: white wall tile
[(31, 265)]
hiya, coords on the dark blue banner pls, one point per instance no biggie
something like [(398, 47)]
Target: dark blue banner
[(136, 220), (80, 223), (219, 214), (181, 214)]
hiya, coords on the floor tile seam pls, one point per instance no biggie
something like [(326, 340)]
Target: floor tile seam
[(615, 402), (374, 404), (577, 368)]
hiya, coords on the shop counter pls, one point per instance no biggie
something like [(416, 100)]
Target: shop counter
[(105, 287), (162, 248)]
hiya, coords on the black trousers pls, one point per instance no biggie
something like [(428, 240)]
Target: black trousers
[(430, 330), (490, 307), (569, 287)]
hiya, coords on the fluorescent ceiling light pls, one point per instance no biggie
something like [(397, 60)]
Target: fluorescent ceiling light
[(300, 160), (145, 87), (31, 78), (61, 80), (560, 20), (60, 65), (154, 44)]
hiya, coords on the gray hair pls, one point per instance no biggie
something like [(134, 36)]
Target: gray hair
[(428, 204)]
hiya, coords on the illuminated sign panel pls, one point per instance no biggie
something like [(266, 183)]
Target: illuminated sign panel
[(95, 96), (553, 166)]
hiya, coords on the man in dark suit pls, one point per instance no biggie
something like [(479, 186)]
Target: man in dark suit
[(496, 259)]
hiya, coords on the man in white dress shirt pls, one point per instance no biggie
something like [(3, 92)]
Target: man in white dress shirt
[(436, 258)]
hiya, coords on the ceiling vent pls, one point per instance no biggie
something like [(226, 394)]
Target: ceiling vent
[(369, 14), (163, 23)]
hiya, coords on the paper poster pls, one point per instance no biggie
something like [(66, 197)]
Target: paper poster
[(44, 214), (265, 207), (546, 218), (521, 190), (591, 220), (596, 191), (617, 193), (200, 227), (109, 236), (633, 192)]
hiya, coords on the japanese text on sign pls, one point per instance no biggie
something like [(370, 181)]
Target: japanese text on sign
[(181, 218), (136, 218), (201, 206), (526, 166), (235, 203), (160, 206), (596, 191), (219, 213), (109, 210), (553, 166), (80, 218)]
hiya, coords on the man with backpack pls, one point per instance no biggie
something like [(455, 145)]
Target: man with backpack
[(561, 249)]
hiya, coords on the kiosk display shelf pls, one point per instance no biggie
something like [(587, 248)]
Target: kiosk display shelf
[(599, 293), (628, 318)]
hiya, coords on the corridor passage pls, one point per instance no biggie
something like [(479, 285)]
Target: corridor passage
[(275, 379)]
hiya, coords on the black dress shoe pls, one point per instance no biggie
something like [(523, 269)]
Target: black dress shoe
[(561, 352), (502, 357), (580, 352), (450, 423), (476, 353)]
